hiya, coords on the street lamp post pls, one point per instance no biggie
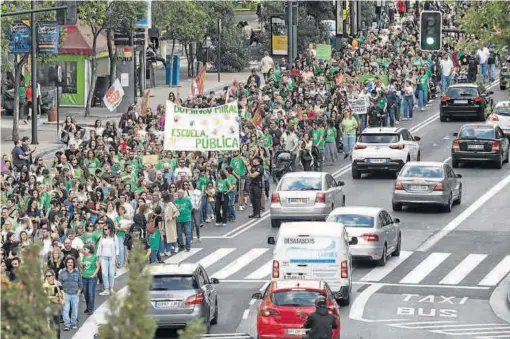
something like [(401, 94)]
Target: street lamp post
[(35, 107)]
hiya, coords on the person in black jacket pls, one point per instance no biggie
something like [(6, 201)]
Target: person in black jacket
[(320, 322)]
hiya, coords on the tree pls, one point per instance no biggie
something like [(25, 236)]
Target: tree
[(25, 306), (194, 330), (368, 12), (127, 317)]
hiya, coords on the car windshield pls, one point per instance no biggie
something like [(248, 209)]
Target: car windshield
[(431, 172), (503, 110), (353, 220), (478, 132), (301, 184), (295, 298), (173, 283), (462, 92), (378, 138)]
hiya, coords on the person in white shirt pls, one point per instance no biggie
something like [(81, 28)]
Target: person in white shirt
[(266, 64), (182, 172), (108, 251), (446, 72), (195, 196), (483, 59)]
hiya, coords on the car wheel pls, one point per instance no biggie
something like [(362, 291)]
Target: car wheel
[(345, 301), (275, 223), (397, 207), (356, 173), (396, 252), (455, 163), (448, 207), (442, 118), (459, 199), (384, 257), (343, 202), (214, 320), (499, 162)]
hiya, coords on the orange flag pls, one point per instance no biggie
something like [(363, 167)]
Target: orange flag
[(257, 116), (197, 87), (145, 102)]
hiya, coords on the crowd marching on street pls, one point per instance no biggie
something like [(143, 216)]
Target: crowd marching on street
[(99, 192)]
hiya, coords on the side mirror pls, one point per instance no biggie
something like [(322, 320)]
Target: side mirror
[(458, 176), (396, 221), (215, 281), (271, 241), (456, 134), (354, 241), (256, 296), (340, 183), (416, 138)]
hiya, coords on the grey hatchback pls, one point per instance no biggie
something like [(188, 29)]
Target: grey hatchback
[(180, 293)]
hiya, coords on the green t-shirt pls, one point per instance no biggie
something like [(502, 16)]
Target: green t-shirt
[(202, 182), (89, 265), (330, 134), (222, 185), (267, 140), (92, 165), (382, 102), (91, 238), (231, 180), (237, 164), (119, 233), (423, 80), (317, 134), (184, 206), (154, 239)]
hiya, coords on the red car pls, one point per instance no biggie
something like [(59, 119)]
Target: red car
[(286, 305)]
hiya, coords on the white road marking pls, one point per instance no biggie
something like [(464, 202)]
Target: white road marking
[(463, 269), (451, 325), (239, 263), (253, 301), (424, 268), (358, 306), (494, 336), (410, 325), (182, 255), (262, 272), (216, 256), (378, 273), (452, 225), (498, 273), (474, 332), (245, 314), (263, 288)]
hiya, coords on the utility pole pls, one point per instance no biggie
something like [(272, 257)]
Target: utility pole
[(290, 34), (219, 49), (35, 107)]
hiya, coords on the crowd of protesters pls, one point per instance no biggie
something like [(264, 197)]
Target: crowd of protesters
[(101, 191)]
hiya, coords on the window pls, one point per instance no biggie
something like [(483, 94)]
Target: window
[(477, 132), (450, 172), (387, 218), (382, 221), (47, 75), (353, 220), (379, 138), (407, 136), (204, 276), (431, 172), (295, 298), (173, 283), (462, 92), (301, 184), (330, 181), (503, 110)]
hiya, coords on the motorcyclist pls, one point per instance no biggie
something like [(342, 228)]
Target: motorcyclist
[(320, 322)]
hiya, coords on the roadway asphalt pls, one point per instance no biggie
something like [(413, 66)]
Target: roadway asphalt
[(439, 287)]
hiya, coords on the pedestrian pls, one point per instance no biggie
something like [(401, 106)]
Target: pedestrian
[(266, 64), (90, 269), (56, 297), (72, 286), (222, 187), (330, 144), (349, 126), (195, 196), (155, 233), (211, 202), (231, 192), (171, 213), (108, 252), (184, 206), (255, 174)]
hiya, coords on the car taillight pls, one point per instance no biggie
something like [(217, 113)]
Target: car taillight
[(455, 145), (196, 299), (492, 117), (276, 269), (496, 146), (478, 99), (275, 197), (344, 269), (439, 187), (358, 146), (370, 237), (399, 146), (398, 185), (321, 197), (445, 98), (269, 312)]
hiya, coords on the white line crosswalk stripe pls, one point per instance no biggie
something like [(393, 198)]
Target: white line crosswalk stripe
[(378, 273), (498, 273), (239, 263), (424, 268), (182, 255), (216, 256), (262, 272), (463, 269)]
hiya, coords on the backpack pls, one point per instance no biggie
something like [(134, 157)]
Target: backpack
[(151, 226)]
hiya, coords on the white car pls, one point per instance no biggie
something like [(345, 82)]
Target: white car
[(501, 117), (383, 149)]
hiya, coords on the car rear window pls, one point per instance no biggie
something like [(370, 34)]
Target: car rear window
[(379, 138), (503, 111), (301, 184), (295, 298), (462, 92), (478, 132), (431, 172), (173, 283), (353, 220)]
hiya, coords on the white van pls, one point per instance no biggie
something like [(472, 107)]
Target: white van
[(314, 251)]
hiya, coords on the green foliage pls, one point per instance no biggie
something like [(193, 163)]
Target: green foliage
[(194, 330), (25, 306), (248, 6), (368, 12), (127, 317), (184, 21), (234, 53), (131, 12)]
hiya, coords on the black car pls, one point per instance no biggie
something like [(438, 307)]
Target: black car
[(480, 142), (465, 100), (504, 75)]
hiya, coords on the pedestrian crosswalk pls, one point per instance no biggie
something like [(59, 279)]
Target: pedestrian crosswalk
[(410, 268)]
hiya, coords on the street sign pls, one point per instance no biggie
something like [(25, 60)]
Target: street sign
[(19, 38), (124, 53), (146, 21), (47, 37)]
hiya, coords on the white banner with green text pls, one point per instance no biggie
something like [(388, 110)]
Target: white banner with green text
[(201, 129)]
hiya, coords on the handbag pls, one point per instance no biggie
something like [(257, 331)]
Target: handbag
[(127, 239)]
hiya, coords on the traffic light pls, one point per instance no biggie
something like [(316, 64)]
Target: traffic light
[(431, 25), (67, 16)]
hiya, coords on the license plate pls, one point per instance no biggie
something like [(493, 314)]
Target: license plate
[(475, 147), (296, 331), (166, 304), (377, 161), (418, 188), (297, 201), (460, 102), (294, 277)]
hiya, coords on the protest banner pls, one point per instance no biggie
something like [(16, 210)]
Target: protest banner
[(113, 96), (151, 159), (201, 129), (323, 52), (370, 77), (197, 87), (358, 106)]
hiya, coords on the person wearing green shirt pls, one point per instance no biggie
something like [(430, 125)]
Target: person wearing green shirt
[(157, 235), (330, 152), (238, 163), (91, 236), (91, 162), (90, 268), (319, 142), (231, 191), (349, 127), (222, 188), (423, 97), (184, 206)]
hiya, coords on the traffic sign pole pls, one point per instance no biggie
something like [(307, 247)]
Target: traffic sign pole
[(35, 103), (59, 82)]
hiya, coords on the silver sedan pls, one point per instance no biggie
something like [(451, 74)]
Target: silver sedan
[(427, 183), (305, 196), (377, 233)]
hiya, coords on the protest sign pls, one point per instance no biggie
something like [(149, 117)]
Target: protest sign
[(113, 96), (323, 52), (358, 106), (201, 129), (151, 159)]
